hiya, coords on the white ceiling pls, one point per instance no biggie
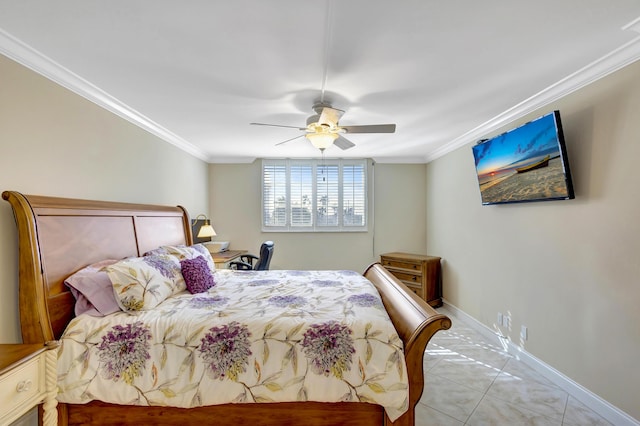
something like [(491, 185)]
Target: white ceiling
[(197, 73)]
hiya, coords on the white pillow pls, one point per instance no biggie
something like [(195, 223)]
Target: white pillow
[(142, 283)]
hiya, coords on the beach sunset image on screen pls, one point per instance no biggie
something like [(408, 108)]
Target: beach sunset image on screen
[(527, 163)]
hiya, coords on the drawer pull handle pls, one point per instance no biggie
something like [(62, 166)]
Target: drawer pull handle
[(24, 386)]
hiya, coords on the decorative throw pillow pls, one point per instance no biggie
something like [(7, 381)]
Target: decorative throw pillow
[(197, 275), (186, 252), (93, 291), (142, 283)]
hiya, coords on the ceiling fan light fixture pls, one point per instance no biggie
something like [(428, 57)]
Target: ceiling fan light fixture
[(321, 140), (323, 128)]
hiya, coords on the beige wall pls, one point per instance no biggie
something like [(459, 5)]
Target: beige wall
[(568, 270), (53, 142), (398, 219)]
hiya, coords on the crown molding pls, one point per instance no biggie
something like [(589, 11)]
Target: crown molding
[(45, 66), (617, 59), (633, 26)]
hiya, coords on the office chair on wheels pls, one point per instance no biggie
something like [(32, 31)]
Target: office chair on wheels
[(261, 263)]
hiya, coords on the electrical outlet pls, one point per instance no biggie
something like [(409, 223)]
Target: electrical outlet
[(500, 319), (524, 333)]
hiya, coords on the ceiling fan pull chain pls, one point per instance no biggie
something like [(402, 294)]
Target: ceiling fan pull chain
[(323, 167)]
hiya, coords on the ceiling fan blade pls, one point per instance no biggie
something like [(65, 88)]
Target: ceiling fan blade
[(343, 143), (330, 116), (289, 140), (372, 128), (277, 125)]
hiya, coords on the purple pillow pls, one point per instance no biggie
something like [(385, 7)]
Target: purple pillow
[(197, 274), (93, 291)]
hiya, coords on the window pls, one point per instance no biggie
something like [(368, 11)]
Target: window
[(314, 195)]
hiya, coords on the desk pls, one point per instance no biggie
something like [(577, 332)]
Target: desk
[(222, 259)]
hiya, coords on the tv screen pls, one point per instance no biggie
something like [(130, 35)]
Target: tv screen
[(528, 163)]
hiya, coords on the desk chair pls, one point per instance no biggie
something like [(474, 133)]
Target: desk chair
[(262, 262)]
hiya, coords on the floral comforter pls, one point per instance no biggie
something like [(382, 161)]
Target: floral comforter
[(267, 336)]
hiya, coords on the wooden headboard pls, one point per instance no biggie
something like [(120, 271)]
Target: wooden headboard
[(59, 236)]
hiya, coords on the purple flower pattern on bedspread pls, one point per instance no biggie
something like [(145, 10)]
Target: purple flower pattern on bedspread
[(263, 336), (124, 351), (262, 282), (326, 283), (226, 351), (207, 302), (365, 300), (330, 348), (288, 301)]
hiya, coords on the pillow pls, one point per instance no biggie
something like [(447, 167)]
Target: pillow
[(197, 275), (93, 291), (142, 283), (186, 252)]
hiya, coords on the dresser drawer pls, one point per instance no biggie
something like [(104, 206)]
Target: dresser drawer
[(21, 386), (411, 280), (393, 263)]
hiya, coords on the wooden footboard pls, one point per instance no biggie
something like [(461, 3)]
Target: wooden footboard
[(415, 321)]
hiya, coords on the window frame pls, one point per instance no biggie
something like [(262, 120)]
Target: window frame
[(314, 165)]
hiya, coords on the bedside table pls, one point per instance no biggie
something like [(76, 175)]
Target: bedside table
[(28, 377)]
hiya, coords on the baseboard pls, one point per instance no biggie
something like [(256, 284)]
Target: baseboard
[(603, 408)]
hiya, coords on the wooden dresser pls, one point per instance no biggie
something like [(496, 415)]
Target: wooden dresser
[(418, 272)]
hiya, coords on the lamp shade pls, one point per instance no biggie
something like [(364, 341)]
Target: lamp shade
[(322, 140), (206, 230)]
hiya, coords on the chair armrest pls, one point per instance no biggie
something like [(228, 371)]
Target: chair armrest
[(241, 266), (248, 258)]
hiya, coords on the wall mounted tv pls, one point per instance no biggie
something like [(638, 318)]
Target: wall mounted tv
[(528, 163)]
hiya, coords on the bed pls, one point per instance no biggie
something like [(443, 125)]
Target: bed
[(58, 237)]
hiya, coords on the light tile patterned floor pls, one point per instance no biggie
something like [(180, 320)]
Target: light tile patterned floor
[(471, 381)]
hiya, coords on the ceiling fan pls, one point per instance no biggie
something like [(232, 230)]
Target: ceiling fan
[(323, 128)]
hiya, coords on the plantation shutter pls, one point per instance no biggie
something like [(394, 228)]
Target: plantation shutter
[(301, 194), (353, 195), (314, 196), (274, 195), (327, 190)]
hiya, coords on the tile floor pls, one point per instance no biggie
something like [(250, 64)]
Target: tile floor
[(479, 383)]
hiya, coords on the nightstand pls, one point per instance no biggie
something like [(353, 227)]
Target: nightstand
[(28, 377)]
